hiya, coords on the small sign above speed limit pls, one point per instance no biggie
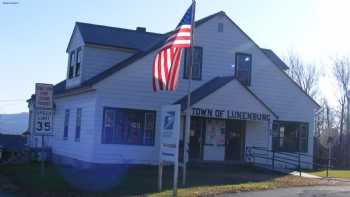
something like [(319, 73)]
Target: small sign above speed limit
[(43, 122)]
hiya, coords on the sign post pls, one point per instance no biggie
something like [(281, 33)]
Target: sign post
[(169, 142), (43, 116)]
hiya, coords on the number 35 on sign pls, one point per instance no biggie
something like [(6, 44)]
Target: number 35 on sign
[(43, 122)]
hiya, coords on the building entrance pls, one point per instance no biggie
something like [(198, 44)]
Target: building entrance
[(234, 145), (216, 139)]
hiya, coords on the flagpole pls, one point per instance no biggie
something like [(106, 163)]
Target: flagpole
[(188, 109)]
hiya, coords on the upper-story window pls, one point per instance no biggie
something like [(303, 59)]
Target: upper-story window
[(71, 65), (220, 27), (77, 66), (197, 63), (243, 70)]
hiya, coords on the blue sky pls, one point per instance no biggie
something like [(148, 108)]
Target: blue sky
[(34, 34)]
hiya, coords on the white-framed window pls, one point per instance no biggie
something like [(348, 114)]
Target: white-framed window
[(78, 124), (66, 124), (71, 65), (289, 136), (243, 68), (128, 126), (78, 62), (197, 63), (220, 27)]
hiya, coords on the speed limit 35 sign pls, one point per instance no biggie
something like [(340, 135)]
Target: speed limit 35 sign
[(43, 122)]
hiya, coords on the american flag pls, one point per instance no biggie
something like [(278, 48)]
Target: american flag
[(166, 65)]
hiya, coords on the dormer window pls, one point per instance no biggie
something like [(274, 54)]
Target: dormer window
[(71, 65), (77, 66)]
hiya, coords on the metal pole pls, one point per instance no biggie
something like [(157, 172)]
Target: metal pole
[(299, 149), (42, 168), (273, 159), (188, 110), (347, 129), (176, 169), (160, 176), (329, 157)]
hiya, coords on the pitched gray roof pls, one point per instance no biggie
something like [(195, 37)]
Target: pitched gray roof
[(148, 42), (210, 87), (275, 59), (117, 37)]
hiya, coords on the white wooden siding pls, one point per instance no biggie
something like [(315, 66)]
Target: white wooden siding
[(98, 59), (233, 96), (82, 149), (131, 88)]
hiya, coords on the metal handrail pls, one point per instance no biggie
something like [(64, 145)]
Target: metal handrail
[(291, 159)]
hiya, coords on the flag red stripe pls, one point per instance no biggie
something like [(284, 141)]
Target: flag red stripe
[(160, 72), (153, 78), (180, 38), (173, 53), (167, 63), (183, 29), (166, 66), (175, 65)]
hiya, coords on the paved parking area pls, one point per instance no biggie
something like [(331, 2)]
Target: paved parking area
[(317, 191)]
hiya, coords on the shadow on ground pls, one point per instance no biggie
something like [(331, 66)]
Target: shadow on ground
[(125, 181)]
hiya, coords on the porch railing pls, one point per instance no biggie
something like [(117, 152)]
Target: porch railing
[(295, 161)]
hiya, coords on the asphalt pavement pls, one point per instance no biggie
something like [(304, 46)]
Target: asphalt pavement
[(316, 191)]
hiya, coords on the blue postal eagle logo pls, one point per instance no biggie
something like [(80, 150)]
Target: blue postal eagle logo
[(169, 120)]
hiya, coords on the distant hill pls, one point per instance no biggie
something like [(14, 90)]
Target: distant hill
[(13, 123)]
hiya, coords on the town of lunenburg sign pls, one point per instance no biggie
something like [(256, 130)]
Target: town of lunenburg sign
[(169, 141), (43, 109)]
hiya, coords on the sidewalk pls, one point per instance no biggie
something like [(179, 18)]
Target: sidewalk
[(306, 175)]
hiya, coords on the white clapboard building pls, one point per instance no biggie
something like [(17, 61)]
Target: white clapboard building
[(105, 111)]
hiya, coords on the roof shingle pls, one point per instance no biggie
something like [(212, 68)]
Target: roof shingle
[(117, 37)]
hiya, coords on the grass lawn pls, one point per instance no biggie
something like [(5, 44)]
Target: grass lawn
[(332, 173), (204, 180)]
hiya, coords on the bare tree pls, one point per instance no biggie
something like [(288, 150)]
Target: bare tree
[(305, 75), (341, 72)]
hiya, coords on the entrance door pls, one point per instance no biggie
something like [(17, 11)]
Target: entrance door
[(214, 148), (234, 144), (196, 132)]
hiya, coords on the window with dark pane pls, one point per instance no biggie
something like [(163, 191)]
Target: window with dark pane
[(197, 63), (71, 65), (128, 126), (78, 64), (243, 68), (66, 124), (220, 27), (290, 136), (78, 124)]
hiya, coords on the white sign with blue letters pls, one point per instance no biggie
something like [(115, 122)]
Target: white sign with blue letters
[(169, 133)]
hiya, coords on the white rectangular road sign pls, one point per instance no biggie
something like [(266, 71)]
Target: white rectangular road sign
[(169, 133), (43, 96), (43, 122)]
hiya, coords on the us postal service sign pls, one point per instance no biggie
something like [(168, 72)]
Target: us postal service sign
[(43, 96), (43, 122), (169, 133)]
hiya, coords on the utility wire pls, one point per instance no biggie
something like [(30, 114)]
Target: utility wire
[(12, 100)]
